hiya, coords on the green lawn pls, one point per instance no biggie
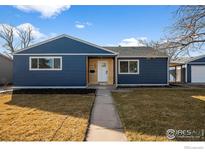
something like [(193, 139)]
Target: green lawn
[(44, 117), (147, 113)]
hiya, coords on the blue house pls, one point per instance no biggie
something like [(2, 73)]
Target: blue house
[(68, 62)]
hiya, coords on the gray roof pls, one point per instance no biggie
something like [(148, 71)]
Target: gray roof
[(181, 60), (185, 60), (137, 51), (195, 58)]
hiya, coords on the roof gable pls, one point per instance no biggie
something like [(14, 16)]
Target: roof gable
[(64, 44)]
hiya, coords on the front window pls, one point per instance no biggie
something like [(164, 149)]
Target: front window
[(45, 63), (124, 66), (34, 63), (133, 66), (129, 66)]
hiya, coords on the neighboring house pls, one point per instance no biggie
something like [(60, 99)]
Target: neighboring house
[(6, 65), (191, 70), (68, 62)]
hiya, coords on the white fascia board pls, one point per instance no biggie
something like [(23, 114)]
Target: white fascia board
[(61, 54)]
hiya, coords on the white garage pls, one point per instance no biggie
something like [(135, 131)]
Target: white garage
[(198, 74)]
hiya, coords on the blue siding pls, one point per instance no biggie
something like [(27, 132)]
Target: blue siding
[(73, 73), (65, 45), (151, 71)]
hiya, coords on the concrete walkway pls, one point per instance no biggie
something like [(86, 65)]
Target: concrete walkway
[(105, 122)]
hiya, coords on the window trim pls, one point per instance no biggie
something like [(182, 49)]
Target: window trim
[(128, 60), (45, 69)]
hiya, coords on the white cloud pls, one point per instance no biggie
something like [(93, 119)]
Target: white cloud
[(139, 41), (81, 25), (45, 11)]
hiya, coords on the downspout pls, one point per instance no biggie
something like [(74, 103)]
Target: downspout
[(175, 71), (116, 70), (185, 72), (87, 72), (168, 62)]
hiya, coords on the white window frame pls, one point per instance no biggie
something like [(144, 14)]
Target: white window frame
[(128, 60), (45, 69)]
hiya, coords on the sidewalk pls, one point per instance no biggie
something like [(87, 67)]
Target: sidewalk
[(105, 122)]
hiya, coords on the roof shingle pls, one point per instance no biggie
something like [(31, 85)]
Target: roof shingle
[(137, 51)]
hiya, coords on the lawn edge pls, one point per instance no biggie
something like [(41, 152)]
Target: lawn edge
[(122, 122), (89, 119)]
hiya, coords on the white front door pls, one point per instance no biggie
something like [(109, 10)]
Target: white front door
[(198, 74), (102, 71)]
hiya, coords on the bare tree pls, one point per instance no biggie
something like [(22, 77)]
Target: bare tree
[(187, 33), (7, 34), (166, 47), (190, 27), (25, 36), (15, 38)]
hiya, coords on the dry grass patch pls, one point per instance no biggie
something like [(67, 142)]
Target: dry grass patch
[(47, 117), (147, 113)]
